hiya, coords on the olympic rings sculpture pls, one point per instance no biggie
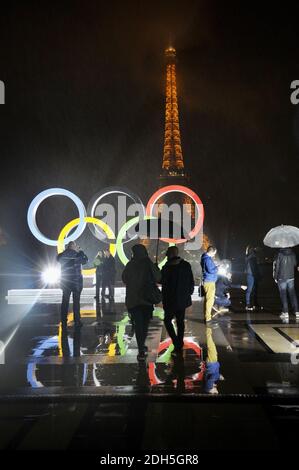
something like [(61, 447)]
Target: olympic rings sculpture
[(116, 242)]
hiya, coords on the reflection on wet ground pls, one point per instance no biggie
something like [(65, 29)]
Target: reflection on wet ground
[(240, 355)]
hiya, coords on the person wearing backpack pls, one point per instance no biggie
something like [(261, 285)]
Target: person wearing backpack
[(177, 289), (141, 276)]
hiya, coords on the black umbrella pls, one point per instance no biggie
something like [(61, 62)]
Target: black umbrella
[(159, 228)]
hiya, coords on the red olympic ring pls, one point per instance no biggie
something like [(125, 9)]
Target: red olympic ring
[(188, 344), (188, 192)]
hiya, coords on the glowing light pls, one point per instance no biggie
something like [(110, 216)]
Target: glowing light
[(51, 275), (87, 220), (222, 271), (224, 268), (188, 192), (31, 214)]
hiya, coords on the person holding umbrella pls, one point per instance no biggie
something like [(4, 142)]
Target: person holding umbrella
[(284, 267), (141, 276), (285, 237), (177, 289)]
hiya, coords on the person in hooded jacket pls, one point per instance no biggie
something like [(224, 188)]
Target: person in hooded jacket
[(139, 276), (253, 276), (177, 289), (71, 261), (284, 267)]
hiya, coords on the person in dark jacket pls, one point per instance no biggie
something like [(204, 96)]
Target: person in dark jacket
[(98, 264), (284, 267), (139, 276), (253, 278), (209, 278), (177, 288), (108, 275), (71, 261)]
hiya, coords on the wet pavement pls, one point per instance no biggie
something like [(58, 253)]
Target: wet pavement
[(84, 389), (250, 355)]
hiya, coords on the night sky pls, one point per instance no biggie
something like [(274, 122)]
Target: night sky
[(85, 83)]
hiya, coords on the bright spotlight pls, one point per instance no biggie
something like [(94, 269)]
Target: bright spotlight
[(222, 271), (51, 275)]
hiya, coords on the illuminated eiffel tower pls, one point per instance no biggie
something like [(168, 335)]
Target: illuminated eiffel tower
[(173, 171), (173, 168)]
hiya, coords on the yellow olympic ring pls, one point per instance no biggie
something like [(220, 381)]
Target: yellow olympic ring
[(89, 220)]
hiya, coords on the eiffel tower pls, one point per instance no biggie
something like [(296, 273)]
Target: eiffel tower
[(173, 168)]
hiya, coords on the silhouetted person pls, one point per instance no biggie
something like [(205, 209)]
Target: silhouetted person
[(108, 275), (98, 264), (71, 261), (253, 274), (140, 277), (284, 267), (209, 277), (177, 288)]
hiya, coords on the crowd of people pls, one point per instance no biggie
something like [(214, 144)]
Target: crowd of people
[(141, 277)]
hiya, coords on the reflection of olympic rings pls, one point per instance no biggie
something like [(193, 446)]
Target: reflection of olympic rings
[(82, 220), (95, 200), (52, 342), (89, 220), (188, 192), (164, 348), (31, 215)]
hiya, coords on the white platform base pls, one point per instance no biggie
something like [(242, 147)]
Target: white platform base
[(54, 296)]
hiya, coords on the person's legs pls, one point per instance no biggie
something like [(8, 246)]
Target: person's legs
[(104, 286), (139, 328), (146, 315), (111, 289), (180, 321), (282, 286), (255, 292), (76, 305), (223, 301), (210, 289), (168, 317), (250, 285), (98, 285), (292, 294), (66, 293)]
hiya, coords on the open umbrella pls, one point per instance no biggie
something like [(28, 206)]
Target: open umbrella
[(158, 228), (283, 236)]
